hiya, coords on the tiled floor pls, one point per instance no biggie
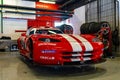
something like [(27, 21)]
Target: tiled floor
[(13, 68)]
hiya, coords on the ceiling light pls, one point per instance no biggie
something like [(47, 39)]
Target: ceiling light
[(47, 1)]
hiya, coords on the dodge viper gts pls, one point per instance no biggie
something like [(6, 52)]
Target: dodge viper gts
[(50, 46)]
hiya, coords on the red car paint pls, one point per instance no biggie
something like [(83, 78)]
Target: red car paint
[(53, 48)]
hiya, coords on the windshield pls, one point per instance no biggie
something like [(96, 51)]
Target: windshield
[(49, 32)]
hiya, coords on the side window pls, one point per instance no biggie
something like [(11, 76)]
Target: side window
[(31, 32)]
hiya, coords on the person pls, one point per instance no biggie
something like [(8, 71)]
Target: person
[(115, 38)]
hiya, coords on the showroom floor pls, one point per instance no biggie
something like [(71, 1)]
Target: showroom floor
[(13, 68)]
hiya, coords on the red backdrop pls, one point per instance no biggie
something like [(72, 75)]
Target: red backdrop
[(44, 20)]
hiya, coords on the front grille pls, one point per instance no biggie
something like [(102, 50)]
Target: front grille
[(77, 56), (88, 53), (66, 53), (69, 57)]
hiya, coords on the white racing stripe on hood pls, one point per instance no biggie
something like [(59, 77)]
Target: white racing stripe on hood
[(87, 44), (74, 44)]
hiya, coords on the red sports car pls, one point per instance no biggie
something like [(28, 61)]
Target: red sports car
[(49, 46)]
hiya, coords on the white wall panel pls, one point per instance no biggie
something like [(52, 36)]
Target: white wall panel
[(19, 3), (0, 23), (119, 18), (0, 17), (9, 2), (10, 25), (20, 16), (78, 19), (25, 3)]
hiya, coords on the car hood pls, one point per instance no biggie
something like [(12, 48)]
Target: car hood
[(68, 37), (74, 38), (76, 42)]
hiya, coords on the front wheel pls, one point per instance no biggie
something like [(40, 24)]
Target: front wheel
[(30, 46)]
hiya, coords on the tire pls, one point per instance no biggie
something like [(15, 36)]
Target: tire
[(30, 46), (84, 28), (66, 28), (106, 35), (104, 24), (87, 31), (61, 27), (94, 27)]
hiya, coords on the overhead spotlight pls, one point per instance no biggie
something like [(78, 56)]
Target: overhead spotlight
[(31, 0), (47, 1)]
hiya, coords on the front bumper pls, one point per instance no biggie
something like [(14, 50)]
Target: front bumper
[(72, 64), (65, 57), (91, 62)]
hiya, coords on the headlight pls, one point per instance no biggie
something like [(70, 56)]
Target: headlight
[(49, 40), (96, 40)]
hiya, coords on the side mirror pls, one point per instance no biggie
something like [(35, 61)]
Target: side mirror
[(23, 34)]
